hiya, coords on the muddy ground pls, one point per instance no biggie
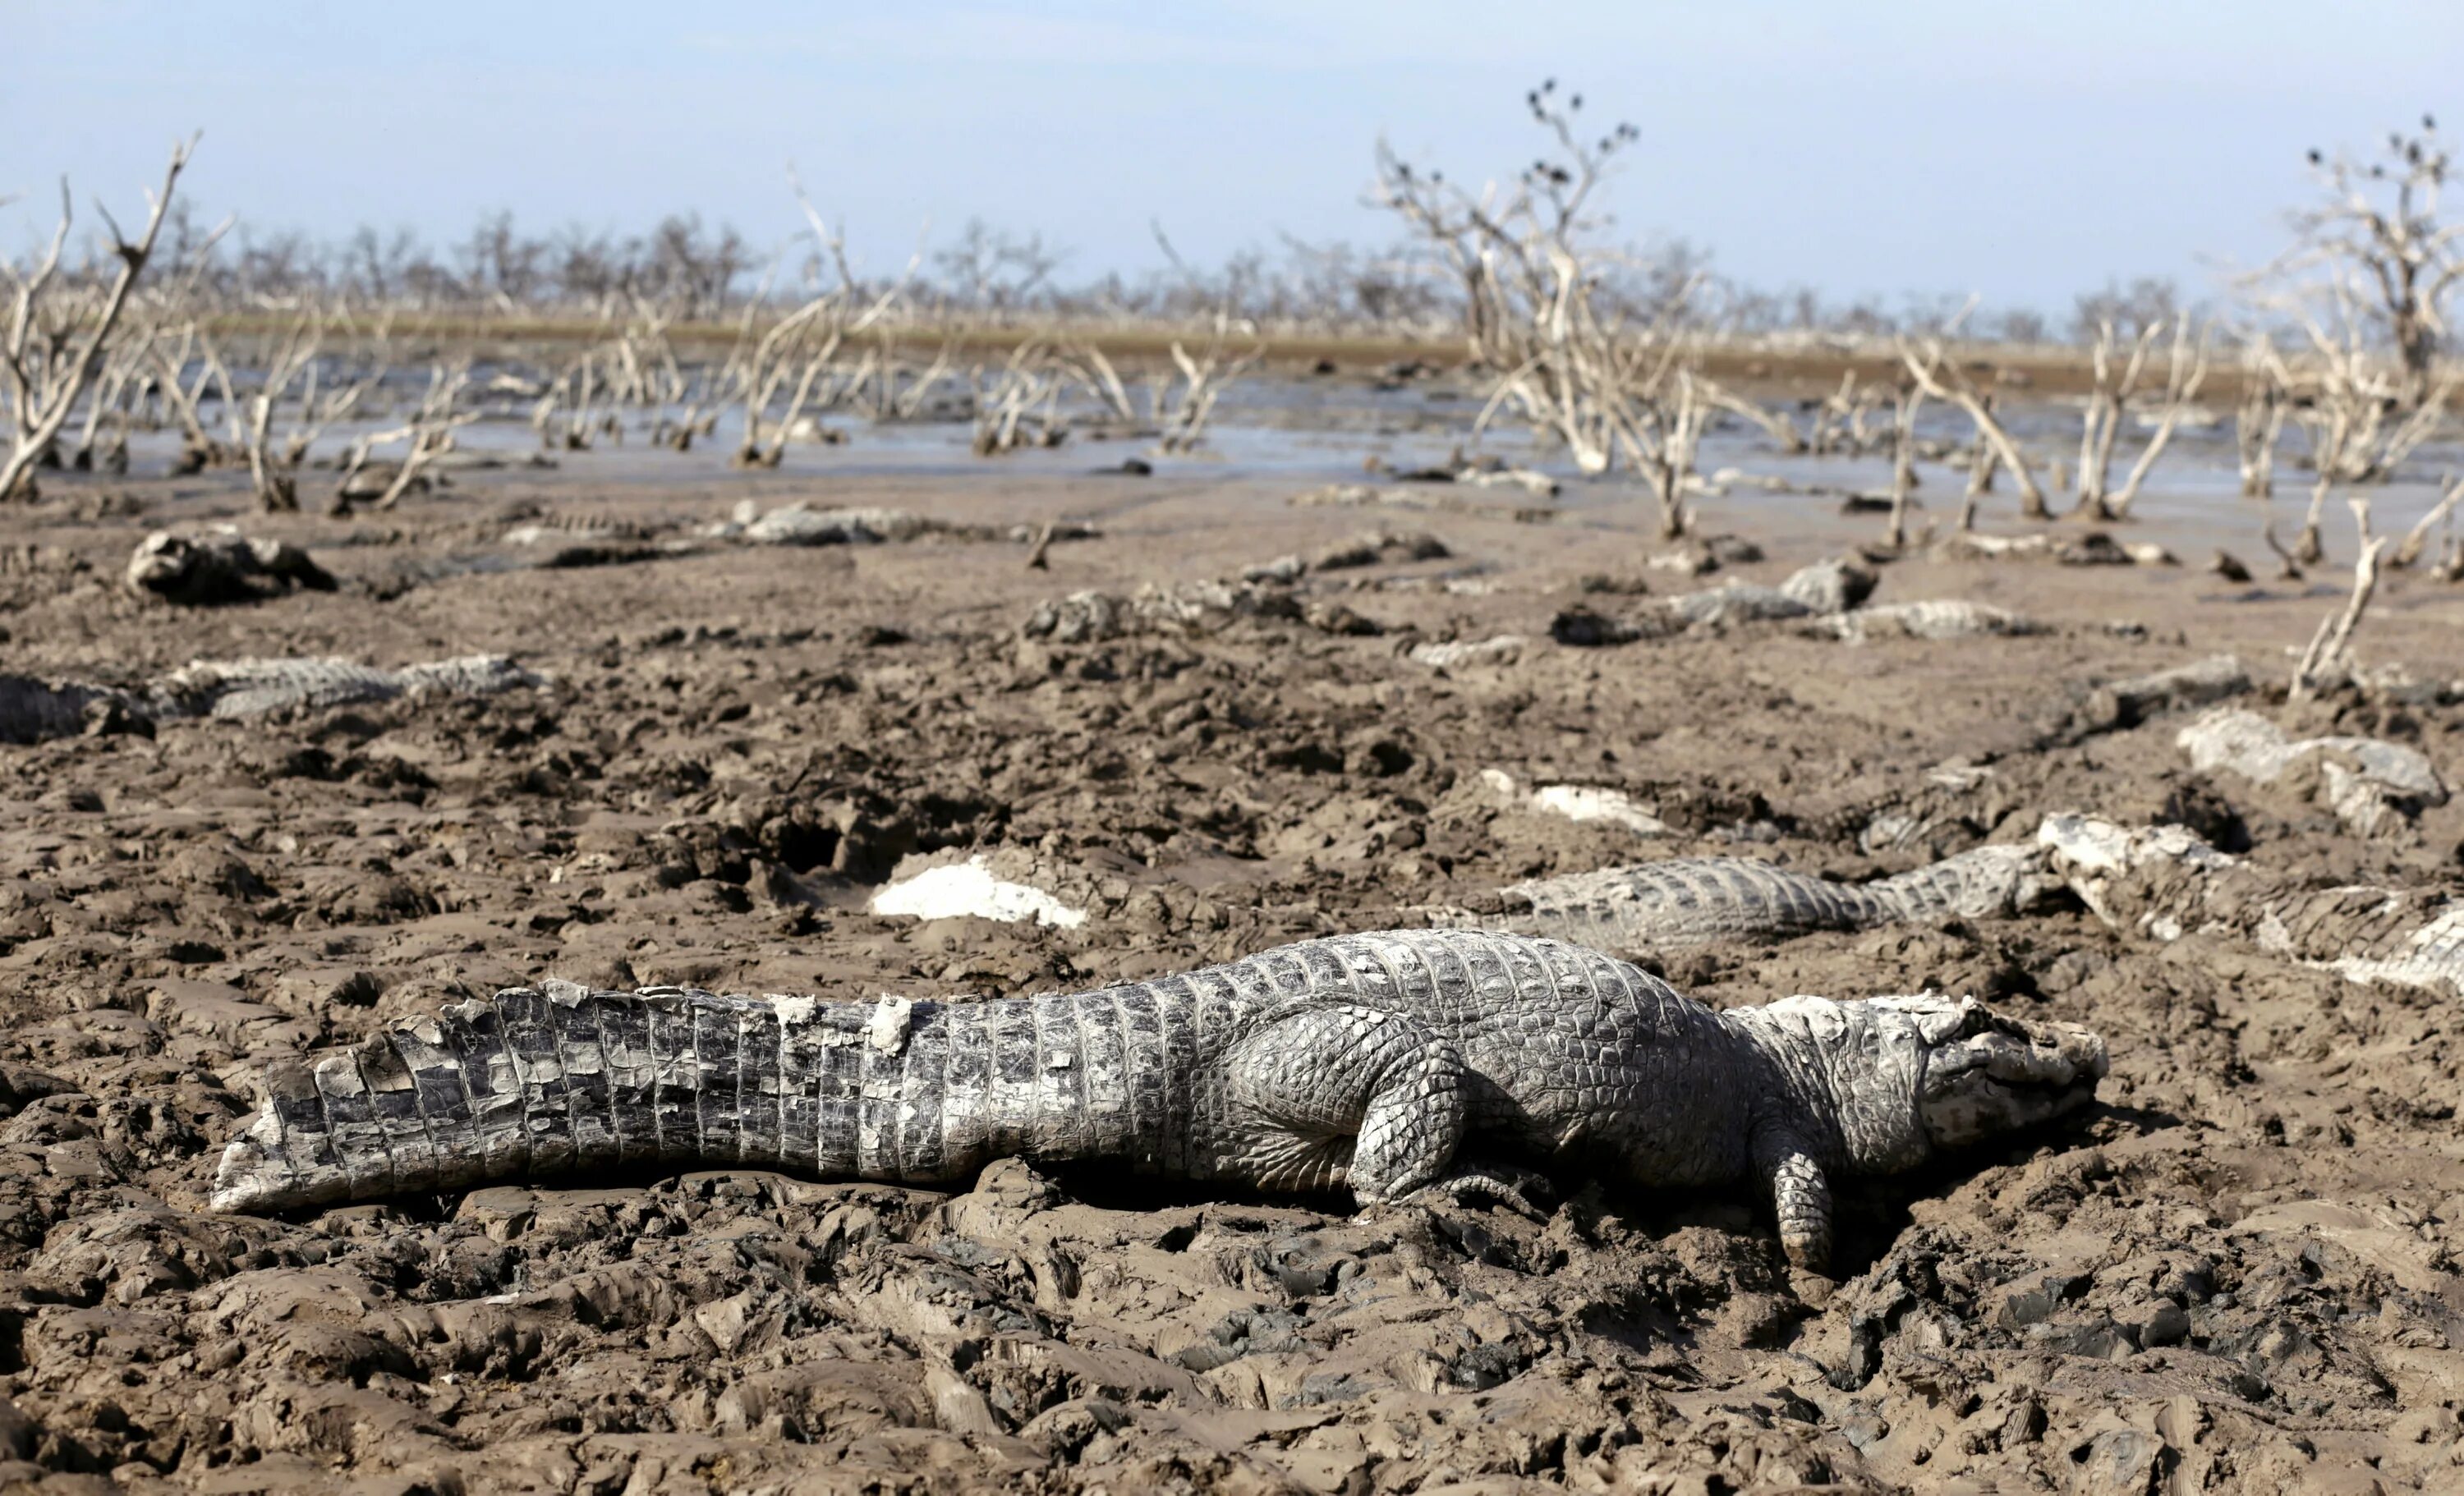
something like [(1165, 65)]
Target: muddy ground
[(2240, 1274)]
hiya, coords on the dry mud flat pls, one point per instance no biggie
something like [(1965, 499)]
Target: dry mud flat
[(2240, 1274)]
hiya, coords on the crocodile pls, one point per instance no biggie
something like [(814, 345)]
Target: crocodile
[(33, 710), (1373, 1063), (1687, 901)]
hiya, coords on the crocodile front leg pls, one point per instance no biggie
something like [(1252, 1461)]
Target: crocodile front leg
[(1341, 1095), (1800, 1195)]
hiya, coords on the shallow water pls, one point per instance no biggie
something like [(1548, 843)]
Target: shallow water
[(1313, 432)]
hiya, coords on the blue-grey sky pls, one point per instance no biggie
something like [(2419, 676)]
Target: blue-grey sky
[(2023, 152)]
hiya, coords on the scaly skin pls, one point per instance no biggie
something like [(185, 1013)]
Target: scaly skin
[(1697, 900), (31, 711), (1363, 1061), (252, 688)]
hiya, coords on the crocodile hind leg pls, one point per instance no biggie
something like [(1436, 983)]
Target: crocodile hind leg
[(1342, 1096)]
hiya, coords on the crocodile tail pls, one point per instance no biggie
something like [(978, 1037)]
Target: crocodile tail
[(559, 1079), (1979, 883)]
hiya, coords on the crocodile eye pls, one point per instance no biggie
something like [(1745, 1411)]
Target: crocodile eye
[(1941, 1019)]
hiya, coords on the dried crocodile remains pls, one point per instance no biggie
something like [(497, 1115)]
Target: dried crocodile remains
[(1809, 592), (1687, 901), (1362, 495), (253, 688), (1825, 600), (1368, 549), (1453, 654), (2092, 549), (1189, 607), (1939, 618), (2119, 705), (2165, 882), (802, 524), (33, 710), (1370, 1061), (798, 523), (221, 566), (2372, 785)]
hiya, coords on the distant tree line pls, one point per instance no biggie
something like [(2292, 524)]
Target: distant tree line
[(696, 272)]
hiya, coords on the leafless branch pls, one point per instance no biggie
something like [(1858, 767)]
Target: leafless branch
[(2418, 536), (41, 384), (2327, 659)]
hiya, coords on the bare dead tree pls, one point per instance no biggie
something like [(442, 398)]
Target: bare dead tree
[(801, 347), (2328, 657), (199, 450), (1983, 462), (429, 433), (274, 455), (2376, 223), (1100, 378), (1668, 433), (2308, 546), (2372, 269), (1179, 410), (2259, 422), (1940, 378), (1774, 424), (1183, 407), (2101, 427), (565, 416), (2449, 565), (1869, 416), (1869, 402), (897, 389), (2288, 566), (2186, 370), (2409, 550), (1018, 405), (719, 387), (1609, 381), (114, 389), (646, 371), (2348, 403), (1904, 462), (122, 389), (698, 394), (806, 345), (1831, 417), (55, 340)]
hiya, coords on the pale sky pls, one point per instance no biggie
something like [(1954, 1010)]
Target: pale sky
[(2021, 152)]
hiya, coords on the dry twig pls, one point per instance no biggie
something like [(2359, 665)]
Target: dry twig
[(2327, 659)]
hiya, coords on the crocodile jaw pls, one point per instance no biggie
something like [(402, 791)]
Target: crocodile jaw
[(1987, 1074)]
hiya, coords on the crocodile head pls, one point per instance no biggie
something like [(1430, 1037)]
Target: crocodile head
[(1902, 1078), (1983, 1074)]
